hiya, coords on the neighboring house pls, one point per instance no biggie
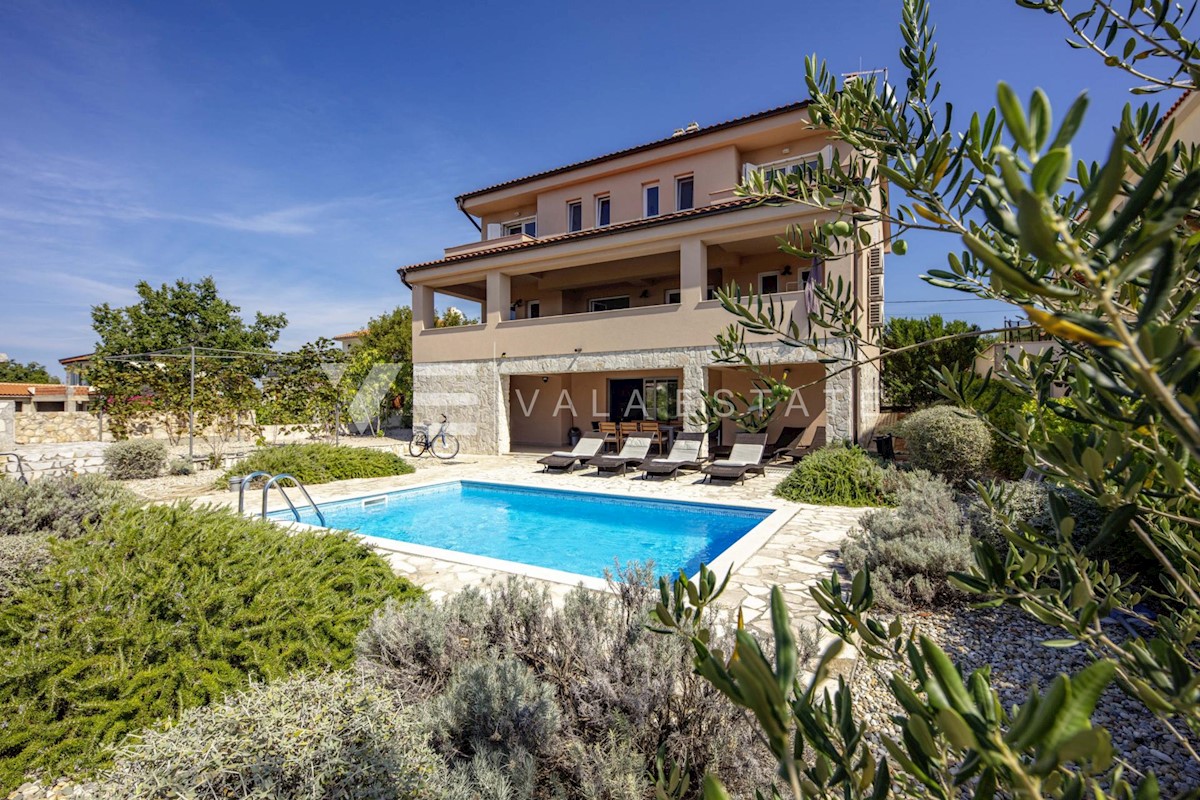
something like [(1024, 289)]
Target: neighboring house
[(596, 282), (76, 367), (1018, 337), (41, 398), (351, 340)]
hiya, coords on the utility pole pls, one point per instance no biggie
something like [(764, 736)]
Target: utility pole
[(192, 405)]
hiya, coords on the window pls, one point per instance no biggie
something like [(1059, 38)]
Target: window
[(526, 226), (533, 309), (574, 216), (49, 405), (603, 211), (662, 398), (671, 296), (650, 200), (768, 282), (796, 165), (608, 303), (685, 193)]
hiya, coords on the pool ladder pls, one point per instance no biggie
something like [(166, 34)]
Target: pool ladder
[(274, 480), (20, 466)]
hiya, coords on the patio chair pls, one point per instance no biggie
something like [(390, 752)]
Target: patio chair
[(746, 457), (685, 454), (611, 434), (655, 430), (797, 453), (787, 439), (633, 453), (625, 429), (588, 447)]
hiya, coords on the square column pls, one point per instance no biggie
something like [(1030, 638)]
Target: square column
[(424, 315), (499, 297), (693, 272)]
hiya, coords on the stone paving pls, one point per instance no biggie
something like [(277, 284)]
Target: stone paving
[(801, 552)]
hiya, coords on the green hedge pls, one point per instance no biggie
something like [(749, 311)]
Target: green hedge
[(835, 476), (164, 608), (321, 463)]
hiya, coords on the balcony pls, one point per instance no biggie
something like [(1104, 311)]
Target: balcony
[(653, 327)]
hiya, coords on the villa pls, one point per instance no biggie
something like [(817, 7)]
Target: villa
[(597, 285)]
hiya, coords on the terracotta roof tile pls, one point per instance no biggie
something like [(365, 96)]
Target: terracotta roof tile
[(607, 230), (351, 335), (770, 112), (44, 389)]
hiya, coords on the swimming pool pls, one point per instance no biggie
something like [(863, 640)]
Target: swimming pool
[(574, 532)]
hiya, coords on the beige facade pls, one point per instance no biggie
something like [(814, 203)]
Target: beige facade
[(594, 277)]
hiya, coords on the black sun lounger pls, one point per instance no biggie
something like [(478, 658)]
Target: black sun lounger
[(633, 453), (589, 445), (746, 457), (685, 454)]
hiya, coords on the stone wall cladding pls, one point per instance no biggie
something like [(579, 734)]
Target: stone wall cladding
[(7, 424), (474, 394)]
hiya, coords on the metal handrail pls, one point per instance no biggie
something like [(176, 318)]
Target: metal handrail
[(291, 505), (242, 489), (20, 466)]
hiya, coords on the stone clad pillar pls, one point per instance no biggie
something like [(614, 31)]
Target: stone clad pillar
[(693, 272)]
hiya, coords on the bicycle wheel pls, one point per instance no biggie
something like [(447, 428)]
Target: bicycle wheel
[(444, 446), (417, 445)]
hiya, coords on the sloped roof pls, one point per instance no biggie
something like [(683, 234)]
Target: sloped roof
[(590, 233), (771, 112)]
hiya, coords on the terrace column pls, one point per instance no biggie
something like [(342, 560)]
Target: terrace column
[(424, 315), (693, 272), (499, 297)]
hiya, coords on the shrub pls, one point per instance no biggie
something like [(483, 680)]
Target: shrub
[(623, 692), (30, 516), (164, 608), (1002, 408), (910, 549), (835, 476), (951, 442), (135, 458), (496, 704), (304, 737), (320, 463), (180, 466)]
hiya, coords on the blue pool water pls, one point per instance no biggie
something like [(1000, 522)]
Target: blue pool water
[(576, 532)]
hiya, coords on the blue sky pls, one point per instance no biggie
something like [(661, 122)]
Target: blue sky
[(299, 152)]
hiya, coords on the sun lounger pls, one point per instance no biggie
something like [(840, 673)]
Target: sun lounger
[(746, 457), (797, 453), (787, 439), (685, 454), (589, 445), (633, 452)]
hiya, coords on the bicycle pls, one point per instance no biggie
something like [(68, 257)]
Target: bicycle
[(442, 444)]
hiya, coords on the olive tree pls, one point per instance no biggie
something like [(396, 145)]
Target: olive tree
[(1102, 256)]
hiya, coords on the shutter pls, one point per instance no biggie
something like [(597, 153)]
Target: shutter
[(875, 314), (875, 261), (875, 287)]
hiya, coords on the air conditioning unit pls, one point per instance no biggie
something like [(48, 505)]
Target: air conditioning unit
[(875, 314), (875, 260), (875, 287)]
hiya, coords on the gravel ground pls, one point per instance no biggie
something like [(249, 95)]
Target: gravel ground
[(1011, 642)]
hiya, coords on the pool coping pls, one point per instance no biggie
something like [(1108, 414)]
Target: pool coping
[(726, 561)]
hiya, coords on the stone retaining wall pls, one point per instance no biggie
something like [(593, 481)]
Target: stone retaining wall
[(56, 427), (56, 460)]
